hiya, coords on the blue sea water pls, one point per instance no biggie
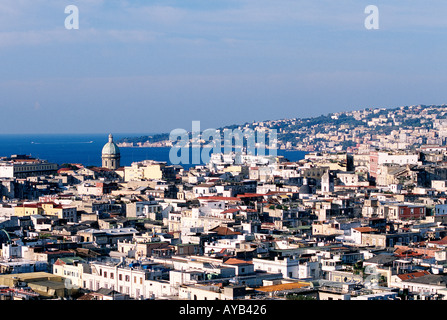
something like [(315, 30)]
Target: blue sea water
[(86, 149)]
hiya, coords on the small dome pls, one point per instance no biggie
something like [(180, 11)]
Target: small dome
[(110, 148), (305, 189)]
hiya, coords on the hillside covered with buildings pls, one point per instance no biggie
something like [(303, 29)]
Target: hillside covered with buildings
[(406, 127)]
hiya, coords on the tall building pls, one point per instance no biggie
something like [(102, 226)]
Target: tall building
[(111, 155)]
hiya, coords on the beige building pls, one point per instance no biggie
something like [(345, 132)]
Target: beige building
[(46, 284), (146, 169), (323, 228), (68, 213)]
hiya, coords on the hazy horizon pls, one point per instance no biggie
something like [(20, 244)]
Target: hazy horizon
[(153, 66)]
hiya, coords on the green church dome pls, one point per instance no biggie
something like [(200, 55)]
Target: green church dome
[(110, 148)]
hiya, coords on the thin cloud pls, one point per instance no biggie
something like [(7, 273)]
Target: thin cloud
[(41, 22), (58, 36)]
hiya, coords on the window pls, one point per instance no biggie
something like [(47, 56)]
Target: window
[(127, 278), (105, 274), (120, 277), (111, 275)]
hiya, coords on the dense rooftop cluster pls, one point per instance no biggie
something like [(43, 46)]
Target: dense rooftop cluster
[(360, 225)]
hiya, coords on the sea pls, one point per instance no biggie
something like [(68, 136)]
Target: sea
[(86, 149)]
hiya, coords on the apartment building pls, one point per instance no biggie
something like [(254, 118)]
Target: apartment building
[(148, 169), (66, 212), (403, 211), (379, 158), (23, 166), (289, 267), (144, 209), (138, 281)]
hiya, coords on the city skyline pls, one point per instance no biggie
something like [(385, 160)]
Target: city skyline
[(222, 63)]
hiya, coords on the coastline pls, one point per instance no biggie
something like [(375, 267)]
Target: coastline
[(127, 145)]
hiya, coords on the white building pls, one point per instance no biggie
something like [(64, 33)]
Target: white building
[(204, 189), (289, 267), (146, 209), (137, 282), (439, 185), (387, 295), (11, 251), (71, 269), (22, 166), (401, 159), (427, 285)]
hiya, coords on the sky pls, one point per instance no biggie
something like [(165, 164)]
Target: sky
[(152, 66)]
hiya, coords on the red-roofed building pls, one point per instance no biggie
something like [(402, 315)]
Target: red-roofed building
[(241, 267), (412, 275), (229, 213), (397, 280), (64, 170), (234, 261), (402, 253), (224, 231), (438, 243), (357, 233), (364, 229)]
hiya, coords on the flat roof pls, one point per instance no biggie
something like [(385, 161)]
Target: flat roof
[(284, 286)]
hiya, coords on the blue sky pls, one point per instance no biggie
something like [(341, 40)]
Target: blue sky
[(152, 66)]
